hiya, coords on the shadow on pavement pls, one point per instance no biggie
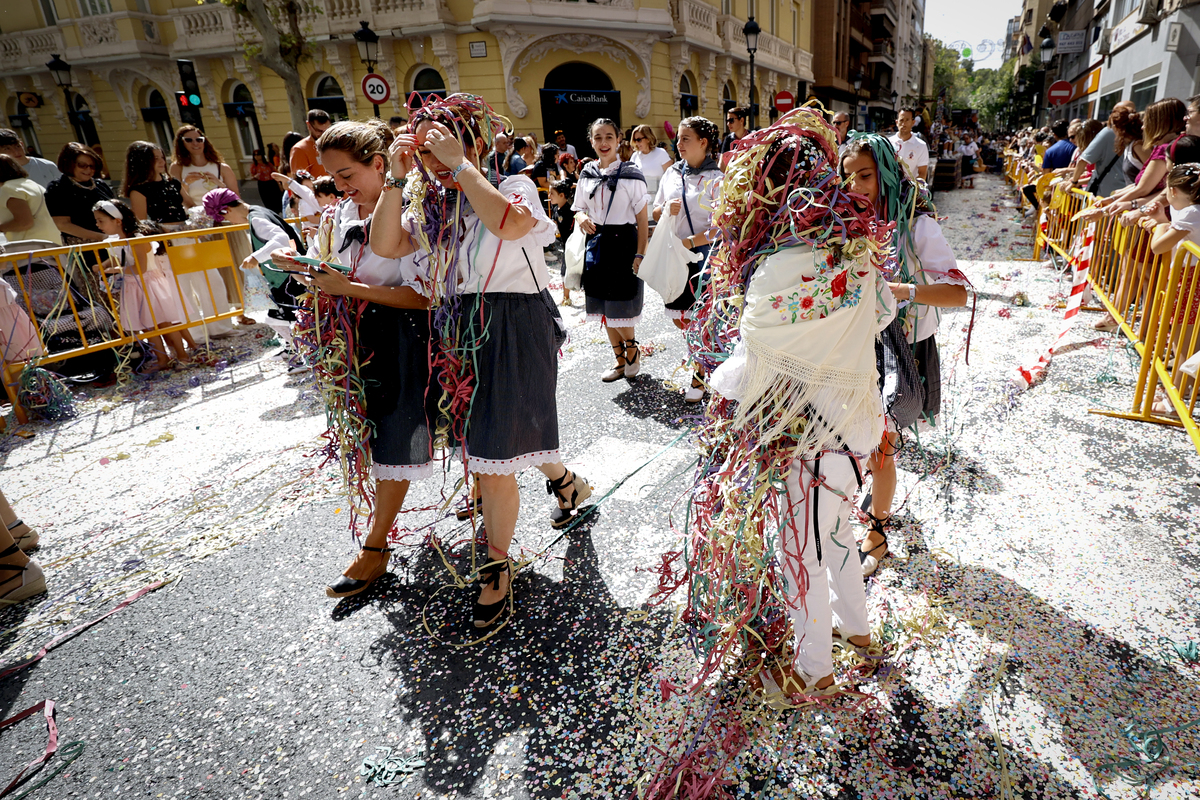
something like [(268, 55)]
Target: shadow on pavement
[(556, 675)]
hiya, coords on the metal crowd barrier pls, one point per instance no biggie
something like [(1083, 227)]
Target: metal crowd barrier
[(1152, 297), (75, 310)]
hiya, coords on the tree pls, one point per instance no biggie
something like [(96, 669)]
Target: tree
[(990, 94), (283, 46)]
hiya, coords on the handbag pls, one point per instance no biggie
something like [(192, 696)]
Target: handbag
[(573, 253), (665, 267)]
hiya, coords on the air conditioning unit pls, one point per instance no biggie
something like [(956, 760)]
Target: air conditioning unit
[(1104, 46), (1149, 12)]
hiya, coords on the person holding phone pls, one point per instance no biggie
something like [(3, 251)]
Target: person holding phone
[(388, 307)]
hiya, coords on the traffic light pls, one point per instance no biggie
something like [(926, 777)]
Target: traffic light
[(191, 86), (189, 113)]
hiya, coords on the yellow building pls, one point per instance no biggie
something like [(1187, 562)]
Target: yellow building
[(546, 64)]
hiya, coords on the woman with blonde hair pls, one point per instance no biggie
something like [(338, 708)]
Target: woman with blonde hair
[(648, 157)]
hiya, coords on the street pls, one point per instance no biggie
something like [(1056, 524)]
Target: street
[(1044, 569)]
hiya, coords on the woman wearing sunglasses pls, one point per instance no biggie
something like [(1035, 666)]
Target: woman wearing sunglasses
[(197, 165), (71, 197)]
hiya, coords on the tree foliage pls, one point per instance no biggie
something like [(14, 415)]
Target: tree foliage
[(283, 47)]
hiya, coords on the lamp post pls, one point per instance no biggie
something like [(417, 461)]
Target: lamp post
[(368, 51), (61, 71), (751, 30)]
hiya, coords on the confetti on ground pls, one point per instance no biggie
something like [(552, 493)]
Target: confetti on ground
[(1040, 603)]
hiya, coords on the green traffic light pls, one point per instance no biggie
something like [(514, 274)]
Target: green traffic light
[(194, 99)]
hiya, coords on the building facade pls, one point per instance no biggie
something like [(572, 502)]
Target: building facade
[(869, 57), (545, 64), (1141, 52)]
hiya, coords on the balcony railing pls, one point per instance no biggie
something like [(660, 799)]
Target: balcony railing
[(697, 21), (28, 48), (212, 26), (885, 6), (773, 52), (884, 49)]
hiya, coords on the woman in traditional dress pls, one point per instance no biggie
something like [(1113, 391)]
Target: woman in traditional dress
[(497, 327), (385, 302), (612, 204)]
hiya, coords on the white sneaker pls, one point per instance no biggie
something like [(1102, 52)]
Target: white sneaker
[(694, 394)]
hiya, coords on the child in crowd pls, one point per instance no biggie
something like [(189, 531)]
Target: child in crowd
[(326, 191), (148, 300), (924, 277), (561, 194), (1183, 193)]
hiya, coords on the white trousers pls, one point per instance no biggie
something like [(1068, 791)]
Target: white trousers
[(819, 559)]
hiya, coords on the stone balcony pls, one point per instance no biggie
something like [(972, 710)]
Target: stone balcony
[(606, 15), (213, 27), (27, 51), (773, 52), (124, 34)]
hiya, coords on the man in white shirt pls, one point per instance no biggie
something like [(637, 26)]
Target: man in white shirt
[(910, 148), (41, 171)]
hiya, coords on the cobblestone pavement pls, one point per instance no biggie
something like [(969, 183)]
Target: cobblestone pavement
[(1045, 566)]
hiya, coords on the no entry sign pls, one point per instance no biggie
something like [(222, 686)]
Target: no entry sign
[(376, 89), (784, 102), (1059, 93)]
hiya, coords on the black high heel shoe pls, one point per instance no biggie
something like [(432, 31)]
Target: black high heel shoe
[(486, 615), (345, 586), (580, 491)]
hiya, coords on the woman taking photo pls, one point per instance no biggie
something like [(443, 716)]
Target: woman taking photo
[(391, 334), (688, 194), (611, 197), (71, 197), (497, 324), (198, 167)]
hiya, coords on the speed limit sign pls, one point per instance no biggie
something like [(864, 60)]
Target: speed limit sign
[(376, 89)]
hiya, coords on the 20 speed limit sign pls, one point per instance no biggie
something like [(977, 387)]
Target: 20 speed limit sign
[(376, 89)]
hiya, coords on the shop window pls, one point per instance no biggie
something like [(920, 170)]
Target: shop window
[(329, 97), (245, 121), (1143, 93), (1107, 102)]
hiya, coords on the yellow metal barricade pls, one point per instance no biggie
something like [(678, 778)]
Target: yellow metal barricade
[(75, 310), (1170, 340)]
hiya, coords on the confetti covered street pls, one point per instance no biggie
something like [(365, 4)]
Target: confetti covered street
[(1040, 603)]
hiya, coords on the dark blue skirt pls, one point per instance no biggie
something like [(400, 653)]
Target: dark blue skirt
[(513, 419)]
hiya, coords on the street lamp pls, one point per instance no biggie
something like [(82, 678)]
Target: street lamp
[(751, 30), (368, 50), (1047, 49), (61, 71)]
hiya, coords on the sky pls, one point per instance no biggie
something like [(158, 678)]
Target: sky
[(972, 22)]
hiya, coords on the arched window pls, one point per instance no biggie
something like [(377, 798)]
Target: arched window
[(19, 119), (689, 103), (328, 95), (157, 118), (240, 110), (728, 97), (426, 83), (329, 87), (85, 126)]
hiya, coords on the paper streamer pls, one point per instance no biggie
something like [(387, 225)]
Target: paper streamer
[(1081, 261)]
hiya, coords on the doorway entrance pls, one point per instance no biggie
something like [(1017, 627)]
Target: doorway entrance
[(573, 96)]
